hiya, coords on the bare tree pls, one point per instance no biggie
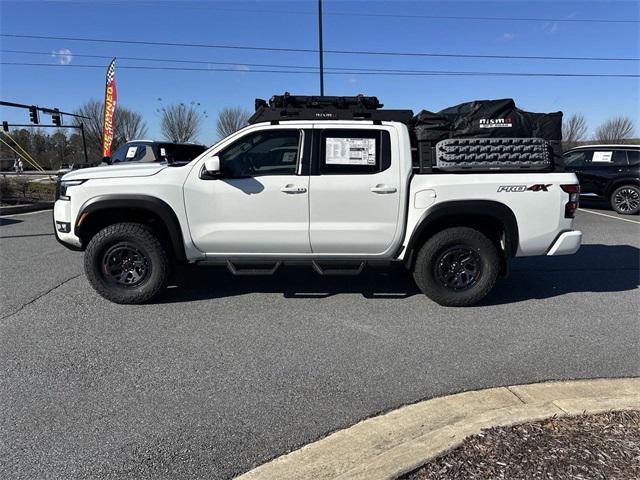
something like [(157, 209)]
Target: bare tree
[(128, 125), (574, 129), (94, 111), (181, 123), (230, 120), (615, 130)]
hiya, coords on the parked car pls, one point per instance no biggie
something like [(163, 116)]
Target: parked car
[(610, 171), (333, 188), (144, 151), (152, 151)]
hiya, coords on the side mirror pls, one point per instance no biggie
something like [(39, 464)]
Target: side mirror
[(212, 166)]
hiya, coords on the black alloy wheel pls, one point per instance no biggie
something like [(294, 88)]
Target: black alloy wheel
[(458, 268), (125, 264), (626, 200)]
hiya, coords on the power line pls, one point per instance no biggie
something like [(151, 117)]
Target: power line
[(242, 64), (346, 72), (382, 15), (156, 59), (313, 50)]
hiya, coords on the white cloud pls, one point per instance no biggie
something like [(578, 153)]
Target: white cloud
[(241, 68), (63, 56), (353, 80), (507, 36), (551, 27)]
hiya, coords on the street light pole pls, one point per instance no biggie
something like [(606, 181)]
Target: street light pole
[(320, 47)]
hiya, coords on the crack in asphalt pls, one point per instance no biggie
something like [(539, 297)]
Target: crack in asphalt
[(38, 297)]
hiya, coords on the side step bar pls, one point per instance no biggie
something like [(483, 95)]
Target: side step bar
[(269, 268), (338, 269), (250, 269)]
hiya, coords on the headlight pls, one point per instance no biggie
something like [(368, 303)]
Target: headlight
[(64, 185)]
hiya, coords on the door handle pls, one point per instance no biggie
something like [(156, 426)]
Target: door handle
[(381, 188), (293, 189)]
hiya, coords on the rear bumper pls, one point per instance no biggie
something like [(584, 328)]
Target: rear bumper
[(567, 243)]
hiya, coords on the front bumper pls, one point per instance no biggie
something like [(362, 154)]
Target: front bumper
[(567, 243), (62, 216)]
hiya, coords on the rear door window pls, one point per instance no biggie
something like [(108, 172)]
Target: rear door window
[(346, 151), (620, 158), (633, 156)]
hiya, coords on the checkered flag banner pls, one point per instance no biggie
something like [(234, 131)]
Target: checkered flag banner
[(111, 71), (110, 99)]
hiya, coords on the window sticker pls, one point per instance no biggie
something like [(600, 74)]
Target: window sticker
[(350, 151), (131, 152), (289, 157), (163, 152), (602, 157)]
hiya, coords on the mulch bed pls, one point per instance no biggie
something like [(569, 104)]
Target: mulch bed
[(603, 446)]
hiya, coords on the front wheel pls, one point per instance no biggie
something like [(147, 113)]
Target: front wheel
[(625, 200), (457, 267), (126, 263)]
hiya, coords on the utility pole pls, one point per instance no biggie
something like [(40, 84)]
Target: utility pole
[(320, 47)]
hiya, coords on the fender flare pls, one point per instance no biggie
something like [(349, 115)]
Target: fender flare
[(141, 202), (486, 208)]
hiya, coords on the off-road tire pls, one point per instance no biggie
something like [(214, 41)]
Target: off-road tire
[(149, 246), (447, 242), (630, 197)]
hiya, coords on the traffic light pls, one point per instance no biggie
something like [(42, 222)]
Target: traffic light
[(5, 126), (33, 114), (55, 118)]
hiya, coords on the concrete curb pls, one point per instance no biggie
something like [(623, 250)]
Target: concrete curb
[(31, 207), (400, 441)]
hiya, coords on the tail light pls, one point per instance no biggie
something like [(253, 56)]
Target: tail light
[(572, 205)]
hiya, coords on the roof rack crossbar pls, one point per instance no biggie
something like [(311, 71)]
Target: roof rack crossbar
[(300, 107)]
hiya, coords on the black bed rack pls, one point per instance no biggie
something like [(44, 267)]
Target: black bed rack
[(303, 107)]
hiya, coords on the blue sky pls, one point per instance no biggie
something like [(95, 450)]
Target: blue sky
[(255, 23)]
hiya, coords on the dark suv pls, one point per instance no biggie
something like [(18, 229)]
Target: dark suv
[(152, 151), (611, 171)]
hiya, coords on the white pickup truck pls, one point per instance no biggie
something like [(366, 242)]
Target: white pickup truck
[(335, 194)]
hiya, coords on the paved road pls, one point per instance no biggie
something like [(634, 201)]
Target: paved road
[(225, 373)]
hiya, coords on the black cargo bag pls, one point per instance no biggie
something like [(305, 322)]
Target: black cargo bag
[(487, 119)]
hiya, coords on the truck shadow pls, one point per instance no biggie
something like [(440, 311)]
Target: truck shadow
[(199, 283), (9, 221), (595, 268)]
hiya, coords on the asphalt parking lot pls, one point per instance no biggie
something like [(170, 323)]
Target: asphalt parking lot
[(224, 373)]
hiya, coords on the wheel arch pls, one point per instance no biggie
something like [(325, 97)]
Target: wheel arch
[(101, 211), (619, 182), (494, 219)]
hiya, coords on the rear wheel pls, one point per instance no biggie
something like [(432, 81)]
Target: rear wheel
[(457, 267), (126, 263), (626, 200)]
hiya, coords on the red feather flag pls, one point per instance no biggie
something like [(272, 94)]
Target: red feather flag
[(110, 98)]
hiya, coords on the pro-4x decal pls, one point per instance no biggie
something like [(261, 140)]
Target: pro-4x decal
[(538, 187)]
